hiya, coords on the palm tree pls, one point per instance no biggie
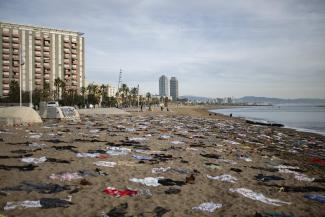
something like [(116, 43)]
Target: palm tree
[(83, 92), (148, 95), (134, 95)]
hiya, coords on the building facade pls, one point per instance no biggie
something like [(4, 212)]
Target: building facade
[(111, 91), (40, 55), (174, 88), (163, 86)]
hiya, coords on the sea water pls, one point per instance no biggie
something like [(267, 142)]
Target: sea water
[(307, 118)]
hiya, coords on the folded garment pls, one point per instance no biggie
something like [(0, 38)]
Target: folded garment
[(319, 198), (120, 193), (208, 207), (224, 178)]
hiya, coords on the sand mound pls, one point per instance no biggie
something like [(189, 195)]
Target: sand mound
[(19, 115)]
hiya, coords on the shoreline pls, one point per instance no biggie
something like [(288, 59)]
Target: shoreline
[(301, 130)]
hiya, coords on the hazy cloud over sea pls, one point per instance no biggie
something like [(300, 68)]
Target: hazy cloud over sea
[(215, 48)]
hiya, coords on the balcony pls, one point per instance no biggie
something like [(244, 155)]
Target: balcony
[(38, 48), (47, 60), (5, 81), (38, 59), (5, 69), (46, 66), (67, 72), (15, 63), (66, 66), (66, 40), (5, 57), (38, 65), (16, 76), (66, 45), (5, 92), (5, 75), (38, 37), (15, 40), (38, 42), (5, 45), (6, 39), (38, 54), (66, 56), (15, 69), (38, 76), (74, 77), (66, 51), (15, 35), (74, 57), (47, 80), (6, 63), (5, 34), (38, 81), (15, 51), (38, 70), (73, 51), (5, 86), (47, 49), (46, 54), (15, 46), (47, 44), (6, 51)]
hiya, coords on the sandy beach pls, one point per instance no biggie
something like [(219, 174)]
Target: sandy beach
[(160, 164)]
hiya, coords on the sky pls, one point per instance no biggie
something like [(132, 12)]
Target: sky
[(215, 48)]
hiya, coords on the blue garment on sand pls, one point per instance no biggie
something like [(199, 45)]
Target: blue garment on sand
[(140, 157), (317, 197)]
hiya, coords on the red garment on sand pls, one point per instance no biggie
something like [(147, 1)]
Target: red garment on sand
[(318, 161), (120, 193), (103, 156)]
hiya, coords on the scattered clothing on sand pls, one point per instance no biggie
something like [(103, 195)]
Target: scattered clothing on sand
[(66, 176), (115, 151), (208, 207), (160, 211), (42, 203), (316, 197), (119, 211), (236, 170), (120, 193), (105, 164), (298, 176), (141, 157), (90, 155), (258, 196), (173, 191), (43, 188), (298, 189), (67, 147), (32, 160), (215, 156), (224, 178), (148, 181), (271, 214), (264, 178), (170, 182), (28, 167)]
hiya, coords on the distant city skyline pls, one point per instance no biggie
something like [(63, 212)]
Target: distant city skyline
[(235, 48)]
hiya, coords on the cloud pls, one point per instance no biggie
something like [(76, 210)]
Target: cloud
[(214, 48)]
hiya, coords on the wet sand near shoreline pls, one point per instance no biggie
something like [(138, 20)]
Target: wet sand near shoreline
[(188, 148)]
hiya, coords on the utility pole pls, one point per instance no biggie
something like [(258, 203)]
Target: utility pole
[(138, 96), (119, 80)]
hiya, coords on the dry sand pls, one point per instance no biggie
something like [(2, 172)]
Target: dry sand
[(201, 132)]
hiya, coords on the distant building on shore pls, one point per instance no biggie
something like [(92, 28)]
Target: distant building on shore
[(41, 55), (174, 88), (110, 90), (163, 86)]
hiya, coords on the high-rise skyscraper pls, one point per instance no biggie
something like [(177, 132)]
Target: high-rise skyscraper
[(40, 55), (174, 88), (163, 86)]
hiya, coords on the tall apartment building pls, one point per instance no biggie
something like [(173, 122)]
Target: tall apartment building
[(43, 54), (163, 86), (174, 88)]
